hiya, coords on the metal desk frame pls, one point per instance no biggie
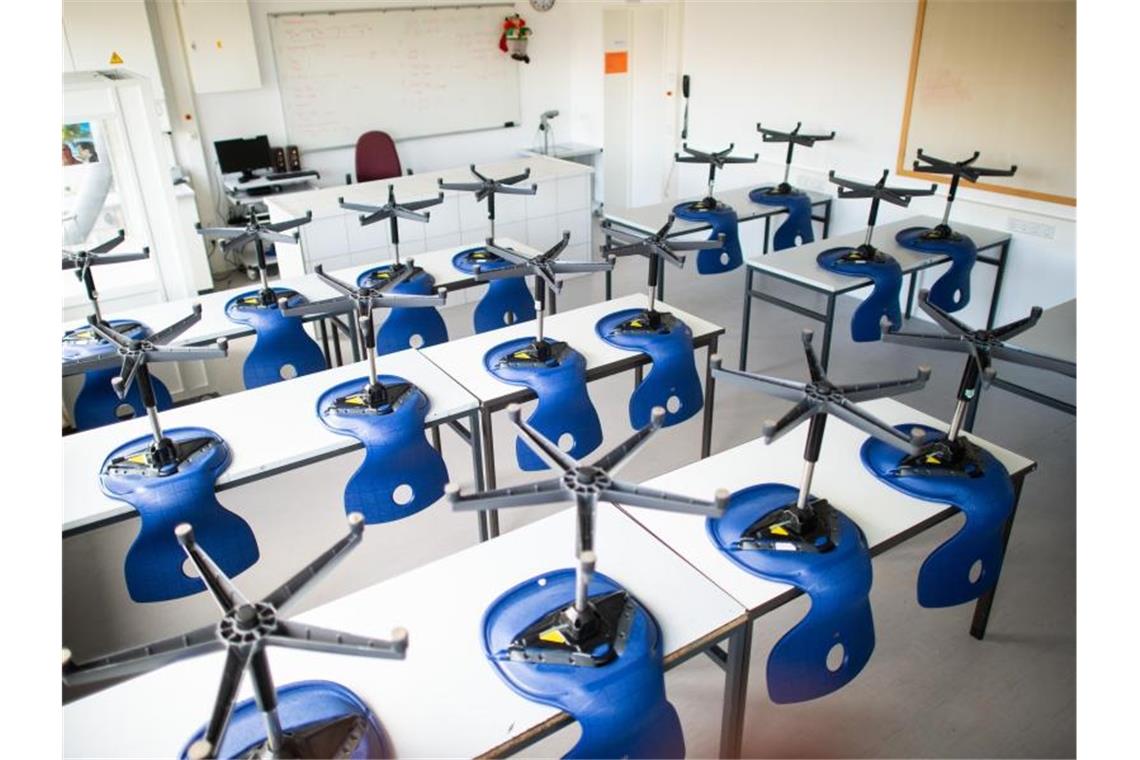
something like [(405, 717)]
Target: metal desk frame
[(735, 660), (635, 361), (764, 212), (734, 657), (469, 435), (827, 317)]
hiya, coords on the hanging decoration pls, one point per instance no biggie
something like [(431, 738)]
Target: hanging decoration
[(514, 37)]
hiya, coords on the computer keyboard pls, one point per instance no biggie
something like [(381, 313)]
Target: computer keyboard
[(290, 175)]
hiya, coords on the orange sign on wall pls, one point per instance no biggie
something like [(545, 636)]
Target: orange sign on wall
[(617, 62)]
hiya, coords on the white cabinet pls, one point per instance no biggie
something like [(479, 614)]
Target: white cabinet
[(218, 39)]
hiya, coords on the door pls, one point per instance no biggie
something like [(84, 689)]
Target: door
[(639, 104)]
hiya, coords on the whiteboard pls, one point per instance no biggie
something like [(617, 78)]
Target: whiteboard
[(410, 72), (999, 78)]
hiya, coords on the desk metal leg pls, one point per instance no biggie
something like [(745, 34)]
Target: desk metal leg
[(476, 449), (735, 690), (986, 601), (476, 442), (609, 272), (826, 219), (356, 338), (910, 295), (1002, 256), (661, 283), (767, 227), (638, 373), (710, 395), (747, 317), (324, 330), (436, 443), (336, 348), (829, 321), (487, 433)]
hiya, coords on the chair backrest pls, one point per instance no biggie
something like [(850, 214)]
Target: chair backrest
[(376, 157)]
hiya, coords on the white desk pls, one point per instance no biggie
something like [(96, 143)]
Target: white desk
[(886, 516), (336, 239), (566, 151), (463, 360), (581, 153), (646, 220), (269, 430), (798, 266), (882, 512), (215, 324), (233, 185), (445, 699)]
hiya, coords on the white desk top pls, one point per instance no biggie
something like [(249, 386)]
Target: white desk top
[(268, 429), (444, 699), (566, 150), (234, 187), (463, 358), (799, 263), (840, 477), (1055, 334), (215, 324), (323, 202), (650, 218)]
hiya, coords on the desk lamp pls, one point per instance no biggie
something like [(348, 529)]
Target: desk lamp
[(168, 476), (722, 218), (282, 349), (796, 229), (546, 129), (304, 719), (576, 639), (951, 292), (672, 382), (97, 403), (401, 473), (950, 469), (868, 261), (552, 369), (788, 535)]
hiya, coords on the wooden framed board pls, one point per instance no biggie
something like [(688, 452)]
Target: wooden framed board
[(998, 76)]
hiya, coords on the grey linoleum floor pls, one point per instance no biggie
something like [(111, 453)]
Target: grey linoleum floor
[(930, 690)]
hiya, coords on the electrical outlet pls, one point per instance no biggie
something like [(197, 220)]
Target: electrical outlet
[(1036, 229)]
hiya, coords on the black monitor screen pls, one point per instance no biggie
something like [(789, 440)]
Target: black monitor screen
[(243, 155)]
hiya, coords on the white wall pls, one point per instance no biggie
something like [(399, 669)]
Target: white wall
[(560, 38), (844, 66)]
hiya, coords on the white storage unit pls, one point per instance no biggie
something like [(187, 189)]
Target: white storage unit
[(218, 39), (335, 238)]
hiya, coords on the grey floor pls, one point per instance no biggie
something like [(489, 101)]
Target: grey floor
[(930, 690)]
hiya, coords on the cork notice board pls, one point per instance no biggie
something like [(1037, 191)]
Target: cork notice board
[(1000, 78)]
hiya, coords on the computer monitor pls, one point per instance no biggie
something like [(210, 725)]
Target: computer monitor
[(244, 155)]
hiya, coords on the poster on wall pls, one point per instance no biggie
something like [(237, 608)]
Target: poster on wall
[(79, 144)]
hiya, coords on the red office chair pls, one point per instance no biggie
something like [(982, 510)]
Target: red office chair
[(376, 157)]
